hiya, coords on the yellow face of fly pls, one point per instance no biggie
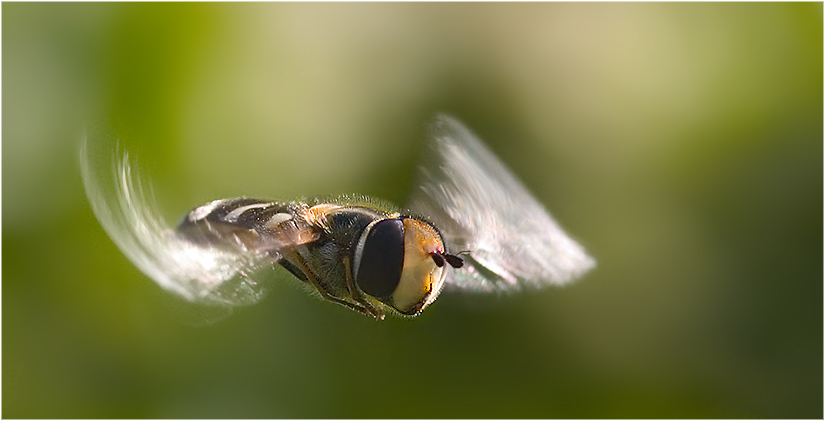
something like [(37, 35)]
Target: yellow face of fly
[(421, 278)]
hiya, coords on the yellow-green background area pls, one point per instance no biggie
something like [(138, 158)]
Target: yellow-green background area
[(682, 144)]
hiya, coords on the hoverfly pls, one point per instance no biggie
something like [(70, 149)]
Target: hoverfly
[(470, 225)]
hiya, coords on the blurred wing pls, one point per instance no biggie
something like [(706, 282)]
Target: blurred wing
[(481, 207), (201, 273)]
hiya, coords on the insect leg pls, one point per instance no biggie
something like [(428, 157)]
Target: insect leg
[(356, 293), (298, 260)]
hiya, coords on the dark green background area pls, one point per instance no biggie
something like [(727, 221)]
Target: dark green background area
[(680, 143)]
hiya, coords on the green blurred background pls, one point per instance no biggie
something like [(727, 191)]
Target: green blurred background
[(682, 144)]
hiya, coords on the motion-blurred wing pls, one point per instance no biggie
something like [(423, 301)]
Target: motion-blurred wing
[(195, 271), (481, 207)]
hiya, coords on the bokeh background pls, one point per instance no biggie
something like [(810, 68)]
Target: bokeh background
[(682, 144)]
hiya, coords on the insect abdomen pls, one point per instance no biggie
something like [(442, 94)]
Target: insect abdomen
[(240, 221)]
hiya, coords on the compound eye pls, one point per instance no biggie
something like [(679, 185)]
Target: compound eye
[(382, 259)]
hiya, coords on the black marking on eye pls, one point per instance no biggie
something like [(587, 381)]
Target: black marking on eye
[(382, 259), (438, 259)]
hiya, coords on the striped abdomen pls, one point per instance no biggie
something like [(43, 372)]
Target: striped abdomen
[(252, 224)]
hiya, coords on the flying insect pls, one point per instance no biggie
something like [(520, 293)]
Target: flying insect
[(470, 225)]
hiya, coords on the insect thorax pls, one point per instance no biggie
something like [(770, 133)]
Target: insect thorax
[(339, 235)]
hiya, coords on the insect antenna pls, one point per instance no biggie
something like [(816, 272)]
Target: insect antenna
[(454, 261), (438, 259)]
